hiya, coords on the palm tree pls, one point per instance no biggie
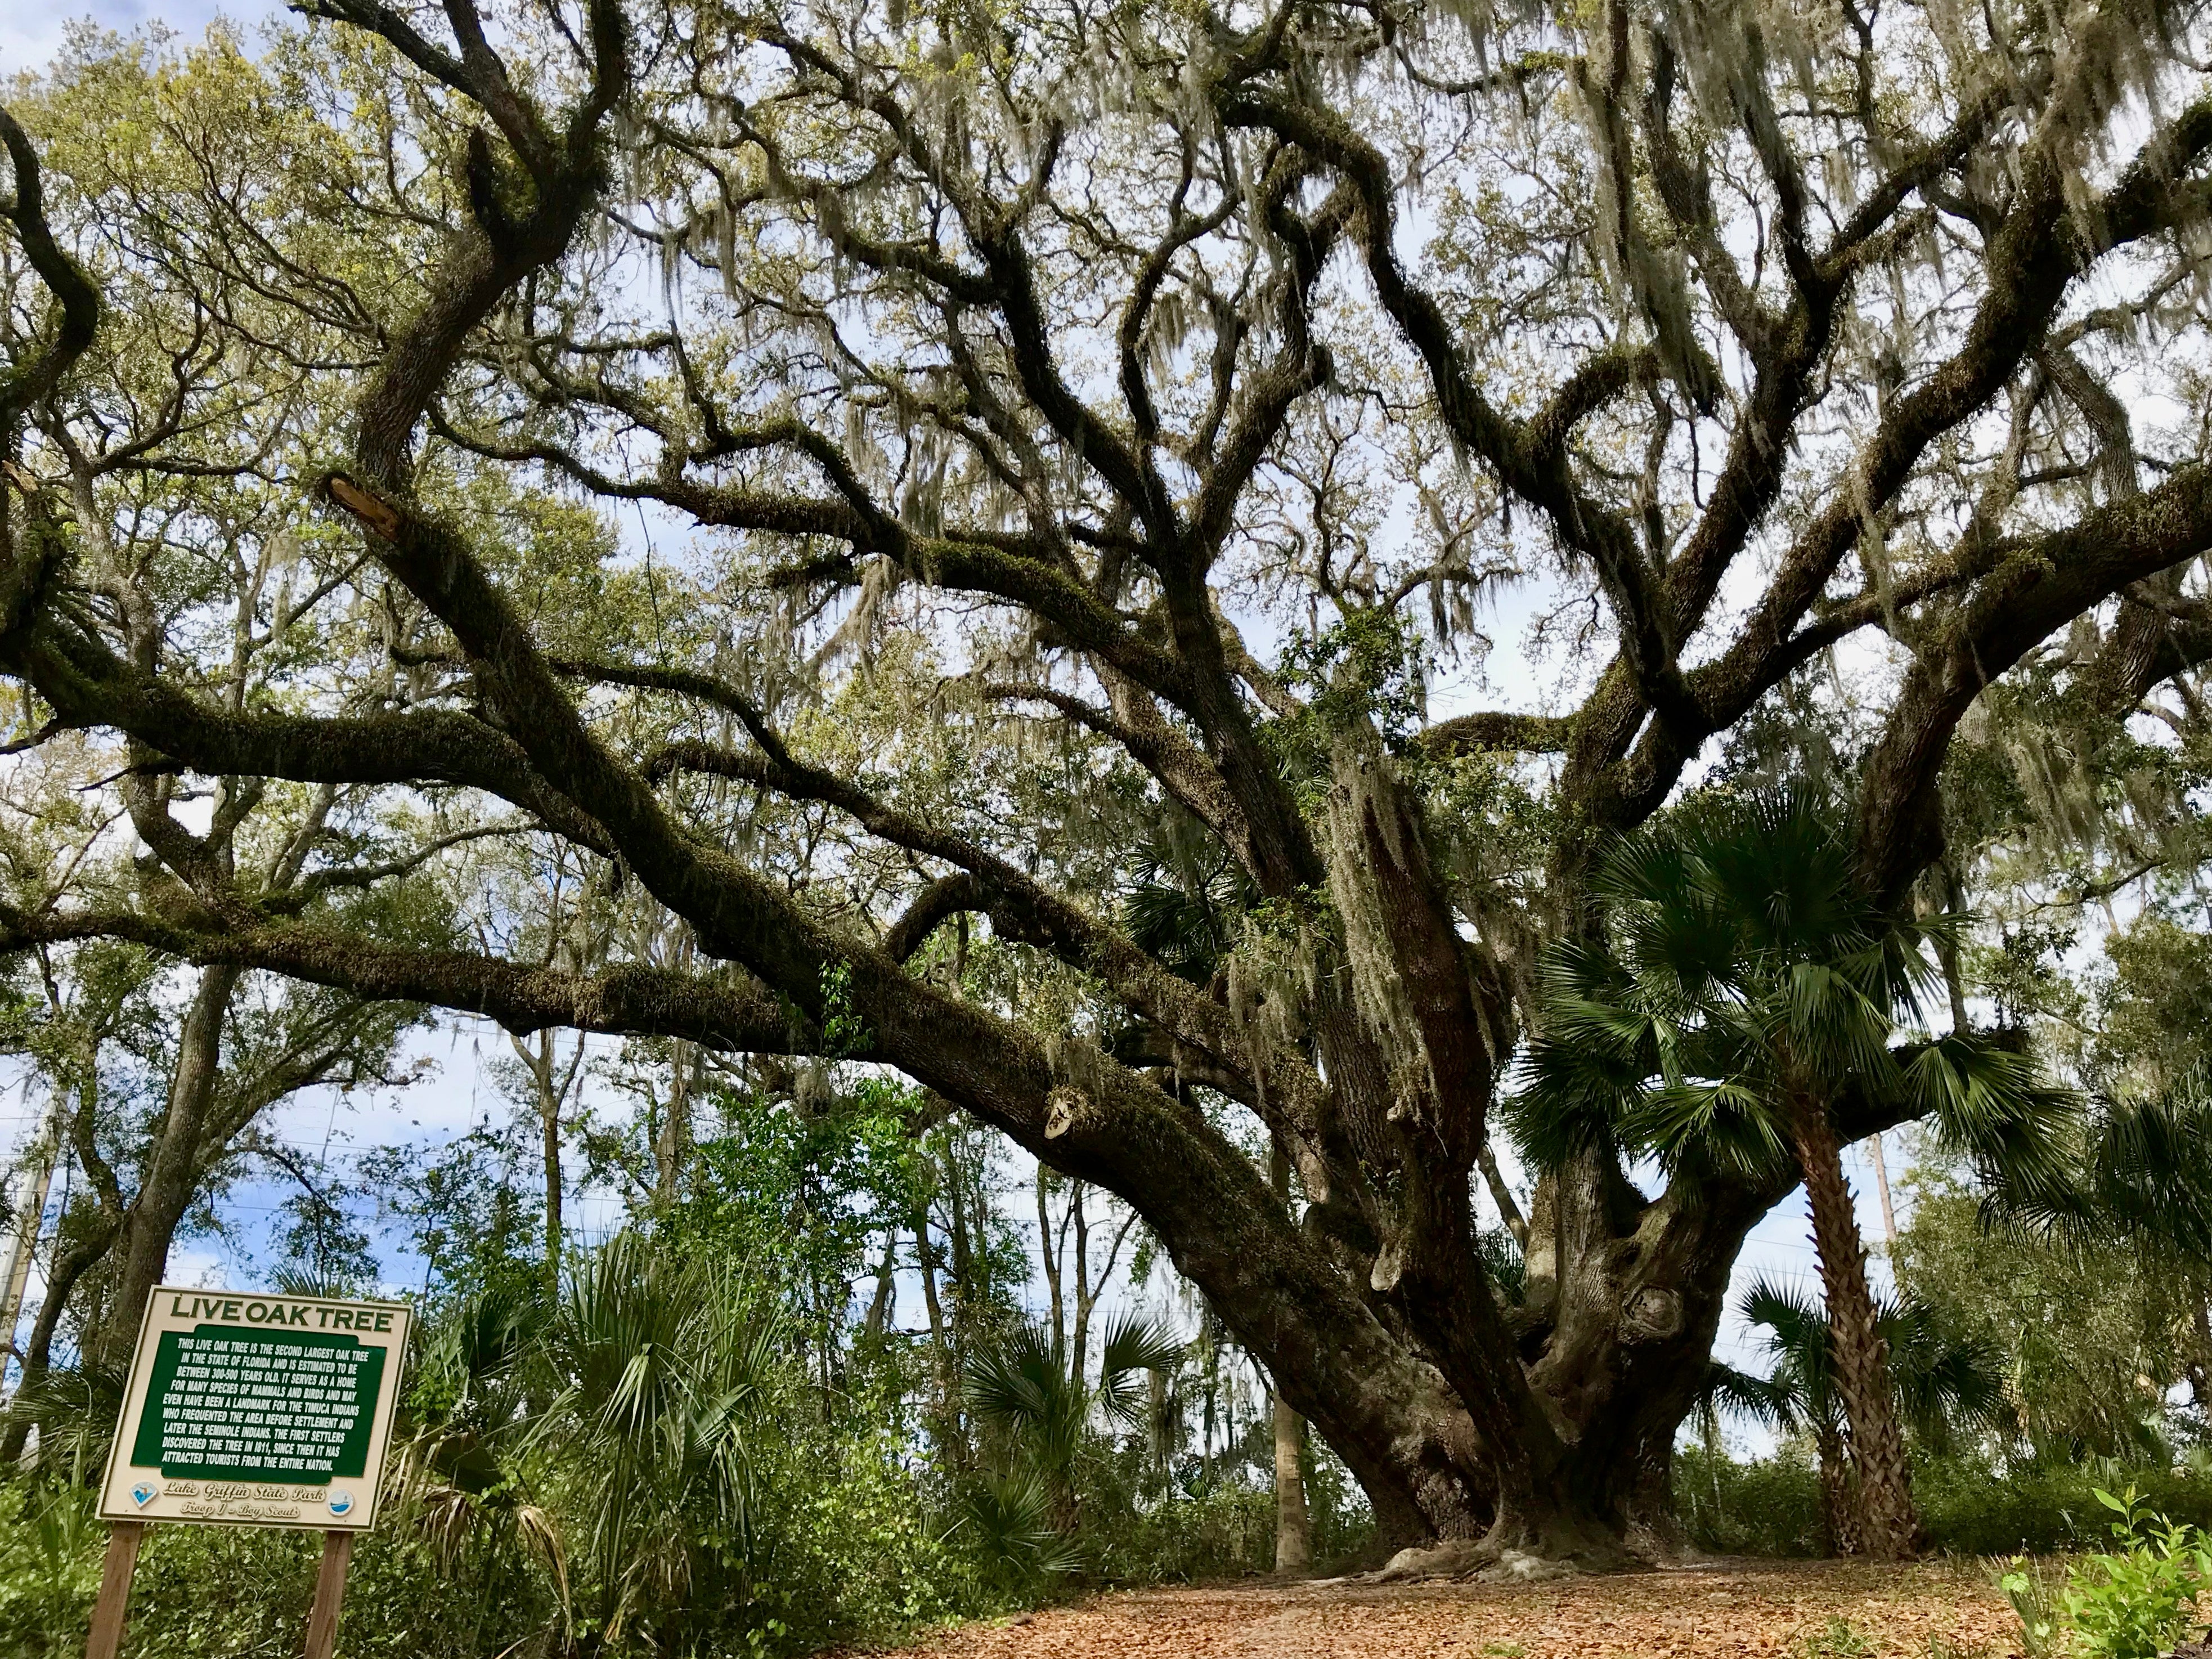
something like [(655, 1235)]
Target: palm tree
[(1186, 904), (2143, 1175), (468, 1429), (2141, 1181), (1024, 1385), (661, 1363), (1744, 989), (1943, 1384)]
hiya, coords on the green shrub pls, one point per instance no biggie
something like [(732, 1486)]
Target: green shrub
[(49, 1571), (1770, 1506), (1140, 1527), (2134, 1602), (218, 1592), (1226, 1532), (1969, 1510)]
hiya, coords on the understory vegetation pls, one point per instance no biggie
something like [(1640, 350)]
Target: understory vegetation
[(671, 1451)]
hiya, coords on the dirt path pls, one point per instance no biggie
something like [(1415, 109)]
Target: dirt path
[(1787, 1611)]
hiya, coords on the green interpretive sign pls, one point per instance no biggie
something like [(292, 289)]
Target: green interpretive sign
[(247, 1410), (227, 1404)]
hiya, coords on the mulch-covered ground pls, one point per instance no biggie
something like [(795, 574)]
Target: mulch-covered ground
[(1930, 1611)]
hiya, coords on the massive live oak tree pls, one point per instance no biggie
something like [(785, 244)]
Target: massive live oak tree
[(1148, 395)]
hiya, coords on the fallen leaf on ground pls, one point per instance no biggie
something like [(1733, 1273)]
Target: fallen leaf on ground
[(1763, 1611)]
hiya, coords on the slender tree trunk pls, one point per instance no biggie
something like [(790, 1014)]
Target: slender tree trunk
[(1946, 948), (550, 1089), (671, 1147), (173, 1168), (549, 1141), (1085, 1294), (1048, 1252), (69, 1266), (2197, 1362), (550, 1150), (1889, 1525), (30, 1217), (951, 1442), (1501, 1195), (1889, 1213), (879, 1309), (1156, 1422), (964, 1288), (1293, 1524)]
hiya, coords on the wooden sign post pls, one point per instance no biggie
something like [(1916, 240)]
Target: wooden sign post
[(252, 1411)]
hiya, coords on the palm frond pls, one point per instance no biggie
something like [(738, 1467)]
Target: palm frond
[(1991, 1104), (1944, 1380), (1010, 1518), (1723, 1126), (72, 1414), (1135, 1343), (1021, 1383), (1740, 1393), (1504, 1263), (2148, 1166)]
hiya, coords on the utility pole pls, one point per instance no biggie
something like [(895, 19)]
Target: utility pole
[(23, 1237)]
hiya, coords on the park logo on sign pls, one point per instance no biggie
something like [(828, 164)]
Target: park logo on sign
[(259, 1411)]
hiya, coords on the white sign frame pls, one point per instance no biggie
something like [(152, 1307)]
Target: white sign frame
[(133, 1490)]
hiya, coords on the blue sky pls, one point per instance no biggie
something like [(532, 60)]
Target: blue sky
[(30, 33)]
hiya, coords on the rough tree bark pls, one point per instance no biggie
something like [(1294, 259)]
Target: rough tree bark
[(1860, 1356), (1839, 1508)]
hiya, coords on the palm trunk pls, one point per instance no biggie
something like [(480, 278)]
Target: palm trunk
[(1889, 1525), (1839, 1510)]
